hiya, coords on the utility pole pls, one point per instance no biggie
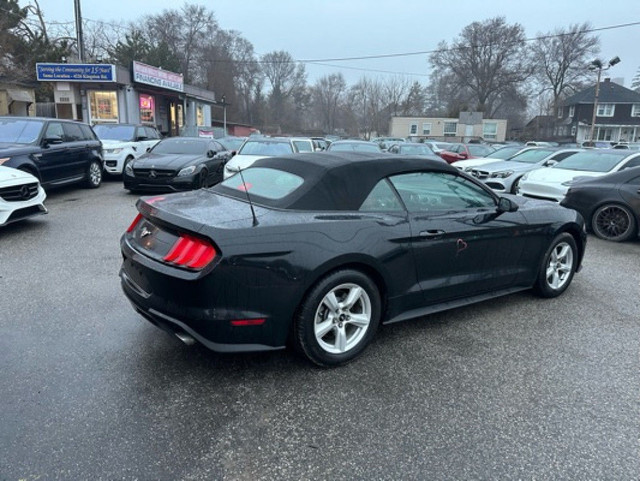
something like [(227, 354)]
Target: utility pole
[(79, 38), (597, 65)]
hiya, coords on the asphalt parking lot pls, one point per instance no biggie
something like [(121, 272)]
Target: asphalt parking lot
[(515, 388)]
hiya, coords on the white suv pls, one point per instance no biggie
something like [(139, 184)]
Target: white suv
[(122, 143), (256, 148)]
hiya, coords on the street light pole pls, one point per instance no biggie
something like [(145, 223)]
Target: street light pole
[(597, 65), (224, 115)]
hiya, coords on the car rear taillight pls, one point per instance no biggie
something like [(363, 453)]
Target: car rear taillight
[(134, 223), (190, 252)]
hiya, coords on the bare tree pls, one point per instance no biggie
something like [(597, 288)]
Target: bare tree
[(327, 94), (288, 83), (561, 57), (487, 59)]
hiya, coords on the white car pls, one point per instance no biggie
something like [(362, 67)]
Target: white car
[(552, 183), (256, 148), (121, 143), (21, 195), (503, 153)]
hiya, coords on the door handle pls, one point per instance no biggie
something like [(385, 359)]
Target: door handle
[(430, 234)]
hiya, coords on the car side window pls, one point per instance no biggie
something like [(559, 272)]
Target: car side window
[(437, 191), (381, 198), (216, 147), (562, 156), (54, 130), (632, 163), (151, 133), (72, 132), (141, 134), (87, 133)]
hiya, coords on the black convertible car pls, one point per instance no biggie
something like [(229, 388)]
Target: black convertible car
[(610, 204), (318, 249), (177, 163)]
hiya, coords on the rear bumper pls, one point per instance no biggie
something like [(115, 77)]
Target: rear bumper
[(203, 305)]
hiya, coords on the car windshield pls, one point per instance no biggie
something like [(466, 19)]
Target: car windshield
[(592, 161), (180, 146), (231, 143), (505, 153), (354, 147), (532, 156), (415, 150), (266, 148), (17, 131), (123, 133), (264, 182), (480, 150)]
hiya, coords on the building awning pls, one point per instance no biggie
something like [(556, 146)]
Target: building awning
[(19, 96)]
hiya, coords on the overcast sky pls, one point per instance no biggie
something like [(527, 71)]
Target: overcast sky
[(323, 29)]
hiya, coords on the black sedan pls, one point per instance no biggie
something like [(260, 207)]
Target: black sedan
[(318, 249), (610, 204), (178, 163)]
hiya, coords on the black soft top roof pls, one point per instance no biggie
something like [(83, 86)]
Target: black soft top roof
[(336, 180)]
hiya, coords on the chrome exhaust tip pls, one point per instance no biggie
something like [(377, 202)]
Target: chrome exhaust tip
[(186, 338)]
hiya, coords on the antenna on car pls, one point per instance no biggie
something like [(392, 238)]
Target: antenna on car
[(246, 190)]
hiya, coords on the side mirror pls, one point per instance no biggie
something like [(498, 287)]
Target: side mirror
[(550, 163), (141, 138), (506, 205), (233, 152), (211, 154), (55, 139), (148, 149)]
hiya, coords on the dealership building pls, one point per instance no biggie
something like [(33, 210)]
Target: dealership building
[(106, 93)]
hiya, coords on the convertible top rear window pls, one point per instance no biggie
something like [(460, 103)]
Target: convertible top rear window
[(264, 182)]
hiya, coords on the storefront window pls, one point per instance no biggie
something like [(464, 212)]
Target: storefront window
[(147, 109), (104, 106), (200, 115)]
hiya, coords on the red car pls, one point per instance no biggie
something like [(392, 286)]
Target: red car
[(465, 151)]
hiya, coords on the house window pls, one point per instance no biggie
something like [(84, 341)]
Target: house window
[(635, 110), (572, 111), (604, 133), (605, 110), (490, 131), (413, 130), (559, 112), (573, 130), (103, 106), (450, 129), (199, 115), (147, 109), (426, 129)]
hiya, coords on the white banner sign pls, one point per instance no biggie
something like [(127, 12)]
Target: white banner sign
[(146, 74)]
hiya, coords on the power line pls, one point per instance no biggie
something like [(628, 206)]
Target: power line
[(426, 52), (368, 69)]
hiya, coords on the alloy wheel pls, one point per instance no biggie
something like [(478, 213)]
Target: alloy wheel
[(612, 223), (560, 266), (342, 318)]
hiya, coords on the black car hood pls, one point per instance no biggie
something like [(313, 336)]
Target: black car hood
[(17, 149), (167, 161)]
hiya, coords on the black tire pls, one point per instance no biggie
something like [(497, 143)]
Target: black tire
[(516, 184), (350, 337), (202, 179), (126, 161), (94, 174), (556, 267), (614, 222)]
